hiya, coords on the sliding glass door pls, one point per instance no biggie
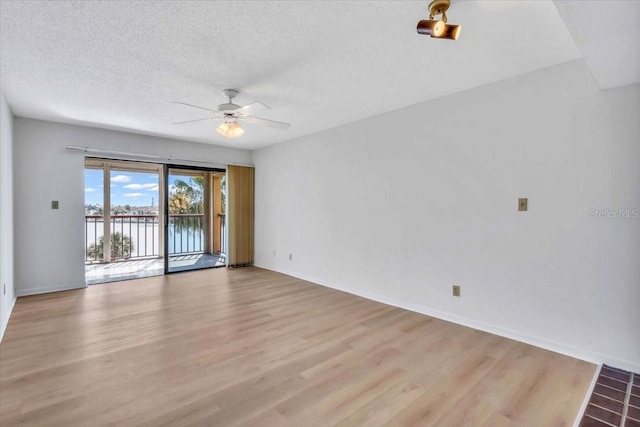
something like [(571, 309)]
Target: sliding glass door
[(122, 220), (145, 219), (194, 219)]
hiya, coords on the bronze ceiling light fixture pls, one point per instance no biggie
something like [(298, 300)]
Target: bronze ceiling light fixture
[(439, 29)]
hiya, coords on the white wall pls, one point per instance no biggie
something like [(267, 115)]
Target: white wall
[(400, 207), (49, 244), (7, 294)]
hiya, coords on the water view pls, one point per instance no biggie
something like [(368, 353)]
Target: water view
[(135, 237), (133, 202)]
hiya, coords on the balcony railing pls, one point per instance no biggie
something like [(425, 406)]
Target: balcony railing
[(186, 233), (132, 236), (223, 237), (137, 236)]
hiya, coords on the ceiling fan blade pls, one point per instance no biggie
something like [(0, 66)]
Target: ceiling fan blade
[(194, 106), (264, 122), (247, 108), (196, 120)]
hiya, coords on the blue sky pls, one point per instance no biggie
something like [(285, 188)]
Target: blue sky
[(127, 188)]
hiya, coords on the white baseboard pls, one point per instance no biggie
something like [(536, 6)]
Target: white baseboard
[(587, 396), (578, 353), (5, 321), (46, 290)]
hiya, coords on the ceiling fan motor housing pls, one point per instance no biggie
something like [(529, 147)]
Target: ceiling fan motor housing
[(228, 107)]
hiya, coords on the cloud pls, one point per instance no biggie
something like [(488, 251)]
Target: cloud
[(154, 188), (121, 178), (142, 186), (133, 195), (90, 190)]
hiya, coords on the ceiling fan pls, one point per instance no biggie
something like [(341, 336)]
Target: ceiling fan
[(230, 114)]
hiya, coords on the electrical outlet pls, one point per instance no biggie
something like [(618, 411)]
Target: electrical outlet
[(290, 257), (456, 290), (55, 204)]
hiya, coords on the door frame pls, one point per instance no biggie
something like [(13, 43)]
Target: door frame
[(107, 165), (165, 179)]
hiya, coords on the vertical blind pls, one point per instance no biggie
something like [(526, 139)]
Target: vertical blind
[(240, 194)]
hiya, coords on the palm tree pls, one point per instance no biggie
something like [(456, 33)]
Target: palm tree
[(178, 204), (187, 198), (121, 247), (223, 194)]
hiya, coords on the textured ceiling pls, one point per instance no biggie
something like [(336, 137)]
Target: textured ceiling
[(318, 64), (608, 36)]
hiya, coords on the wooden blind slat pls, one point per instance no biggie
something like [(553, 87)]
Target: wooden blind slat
[(240, 193)]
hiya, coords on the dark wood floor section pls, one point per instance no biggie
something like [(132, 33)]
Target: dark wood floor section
[(615, 401), (250, 347)]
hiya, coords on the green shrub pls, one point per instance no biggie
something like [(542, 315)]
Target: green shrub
[(121, 247)]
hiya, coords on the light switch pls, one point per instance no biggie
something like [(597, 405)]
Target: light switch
[(54, 204), (522, 204)]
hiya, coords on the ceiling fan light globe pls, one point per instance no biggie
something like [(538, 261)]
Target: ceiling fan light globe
[(223, 129), (230, 130), (236, 130)]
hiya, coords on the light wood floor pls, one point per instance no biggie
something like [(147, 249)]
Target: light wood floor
[(252, 347)]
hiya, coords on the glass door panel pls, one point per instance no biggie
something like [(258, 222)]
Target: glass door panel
[(134, 219), (93, 215), (122, 220), (193, 219)]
